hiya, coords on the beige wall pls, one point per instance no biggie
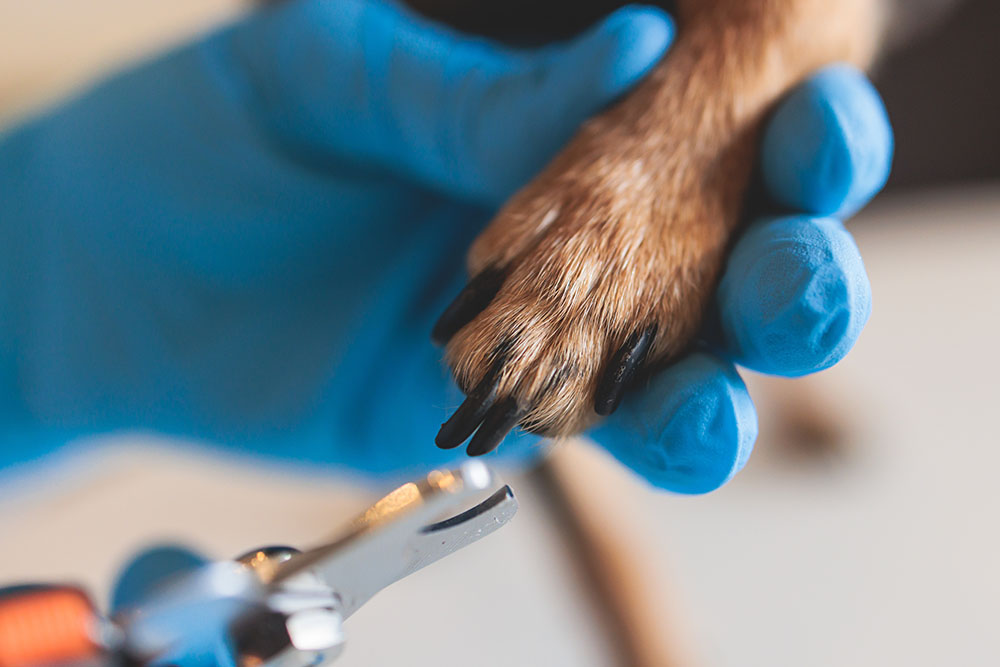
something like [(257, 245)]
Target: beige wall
[(50, 47)]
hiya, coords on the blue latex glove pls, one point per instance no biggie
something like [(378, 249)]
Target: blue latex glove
[(201, 619), (793, 298), (248, 240)]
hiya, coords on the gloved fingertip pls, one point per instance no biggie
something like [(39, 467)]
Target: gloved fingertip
[(620, 50), (520, 118), (690, 431), (794, 297), (828, 147), (148, 570)]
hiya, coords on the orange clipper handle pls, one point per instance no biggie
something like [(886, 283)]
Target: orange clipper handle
[(45, 625)]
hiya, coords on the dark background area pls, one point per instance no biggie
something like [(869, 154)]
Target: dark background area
[(942, 91), (941, 87)]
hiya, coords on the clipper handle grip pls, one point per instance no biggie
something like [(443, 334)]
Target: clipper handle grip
[(47, 625)]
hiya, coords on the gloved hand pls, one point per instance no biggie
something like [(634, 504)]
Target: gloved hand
[(248, 240), (793, 298)]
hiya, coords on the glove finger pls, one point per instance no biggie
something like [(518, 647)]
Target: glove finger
[(689, 431), (373, 82), (828, 147), (794, 296), (517, 122)]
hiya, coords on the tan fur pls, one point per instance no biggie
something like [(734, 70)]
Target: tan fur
[(629, 224)]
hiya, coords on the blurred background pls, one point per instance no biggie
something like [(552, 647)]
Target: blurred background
[(864, 530)]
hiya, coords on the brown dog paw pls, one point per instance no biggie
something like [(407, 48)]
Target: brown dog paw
[(587, 275), (606, 261)]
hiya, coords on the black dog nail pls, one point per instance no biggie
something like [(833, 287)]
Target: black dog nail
[(471, 301), (621, 370)]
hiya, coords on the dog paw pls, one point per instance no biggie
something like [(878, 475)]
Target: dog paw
[(598, 269)]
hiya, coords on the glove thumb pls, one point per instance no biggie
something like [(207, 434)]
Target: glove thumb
[(521, 118), (374, 83)]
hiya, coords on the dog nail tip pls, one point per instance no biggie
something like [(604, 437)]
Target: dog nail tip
[(445, 440), (606, 403), (460, 426), (471, 413), (605, 406), (484, 449), (497, 423)]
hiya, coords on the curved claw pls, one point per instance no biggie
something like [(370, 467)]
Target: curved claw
[(621, 370), (471, 301), (497, 423), (472, 411)]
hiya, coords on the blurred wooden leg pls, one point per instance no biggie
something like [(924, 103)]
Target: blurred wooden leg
[(625, 584)]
